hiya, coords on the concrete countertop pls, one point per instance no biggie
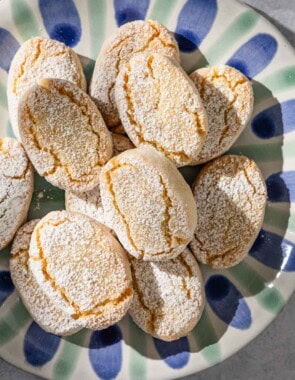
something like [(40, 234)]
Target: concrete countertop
[(272, 354)]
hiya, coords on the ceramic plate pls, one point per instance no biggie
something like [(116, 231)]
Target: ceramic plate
[(241, 301)]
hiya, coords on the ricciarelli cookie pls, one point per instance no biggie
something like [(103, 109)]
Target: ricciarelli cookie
[(41, 308), (64, 134), (230, 194), (36, 59), (227, 96), (82, 268), (16, 188), (133, 37), (148, 204), (168, 296), (159, 106), (89, 202)]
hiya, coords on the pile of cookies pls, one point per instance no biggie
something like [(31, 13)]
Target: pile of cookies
[(122, 242)]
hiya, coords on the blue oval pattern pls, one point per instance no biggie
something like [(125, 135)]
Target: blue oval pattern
[(227, 302), (130, 10), (281, 186), (8, 48), (274, 251), (6, 286), (253, 57), (61, 20), (194, 23), (39, 346), (175, 354), (275, 121), (105, 352)]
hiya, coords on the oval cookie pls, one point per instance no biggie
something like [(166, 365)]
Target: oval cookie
[(148, 204), (41, 308), (64, 134), (89, 202), (160, 107), (133, 37), (168, 296), (36, 59), (227, 96), (16, 188), (82, 268), (230, 195)]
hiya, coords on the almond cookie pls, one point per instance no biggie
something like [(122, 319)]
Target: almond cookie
[(230, 194), (168, 296), (148, 204), (227, 96), (41, 308), (133, 37), (82, 268), (89, 202), (64, 134), (36, 59), (159, 106), (16, 188)]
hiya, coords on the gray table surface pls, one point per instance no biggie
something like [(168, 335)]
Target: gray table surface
[(272, 354)]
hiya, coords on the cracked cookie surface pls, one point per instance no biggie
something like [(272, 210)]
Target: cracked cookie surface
[(227, 96), (230, 194), (42, 309), (168, 296), (82, 268), (64, 134), (89, 202), (16, 188), (148, 204), (133, 37), (159, 106), (36, 59)]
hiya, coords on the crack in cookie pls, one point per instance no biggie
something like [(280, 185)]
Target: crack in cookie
[(56, 134), (168, 296), (148, 204), (227, 96), (98, 308), (138, 128), (129, 39), (116, 206), (230, 195)]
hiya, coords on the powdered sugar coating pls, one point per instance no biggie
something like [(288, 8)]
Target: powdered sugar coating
[(16, 188), (230, 194), (130, 38), (89, 202), (64, 134), (41, 308), (148, 204), (36, 59), (168, 296), (159, 106), (227, 96), (82, 268)]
